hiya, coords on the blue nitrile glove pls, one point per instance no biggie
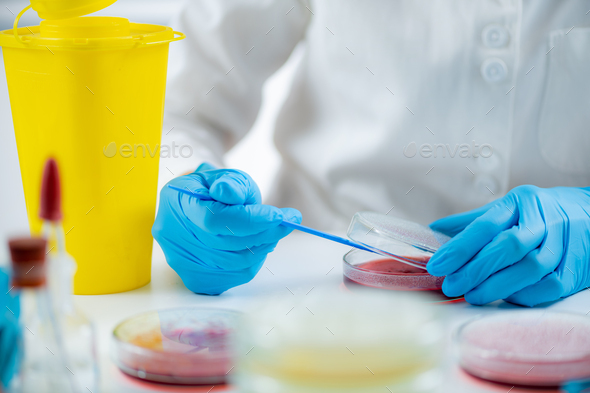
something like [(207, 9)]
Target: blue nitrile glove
[(217, 245), (577, 387), (9, 330), (529, 247)]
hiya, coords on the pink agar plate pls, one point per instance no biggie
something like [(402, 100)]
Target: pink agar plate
[(186, 346), (530, 348), (386, 273), (365, 269), (405, 248)]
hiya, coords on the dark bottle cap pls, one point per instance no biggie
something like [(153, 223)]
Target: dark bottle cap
[(50, 206), (28, 261)]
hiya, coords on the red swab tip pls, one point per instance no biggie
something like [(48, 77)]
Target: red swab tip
[(50, 207)]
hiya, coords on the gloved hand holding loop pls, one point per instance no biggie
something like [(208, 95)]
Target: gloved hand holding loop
[(216, 245)]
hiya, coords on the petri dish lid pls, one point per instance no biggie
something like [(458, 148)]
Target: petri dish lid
[(329, 337), (188, 346), (536, 348), (407, 241)]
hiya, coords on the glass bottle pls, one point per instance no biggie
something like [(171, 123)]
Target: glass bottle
[(42, 368), (369, 341), (78, 331)]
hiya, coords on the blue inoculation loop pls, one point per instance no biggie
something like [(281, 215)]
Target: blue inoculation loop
[(315, 232), (203, 197), (351, 243), (325, 235), (408, 261)]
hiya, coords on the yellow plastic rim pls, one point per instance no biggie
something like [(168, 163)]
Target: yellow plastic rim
[(63, 9), (87, 33)]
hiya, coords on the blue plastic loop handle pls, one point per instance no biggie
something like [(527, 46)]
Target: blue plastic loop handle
[(299, 227)]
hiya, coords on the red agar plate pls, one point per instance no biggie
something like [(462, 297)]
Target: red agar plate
[(531, 348), (405, 248), (370, 270), (186, 346)]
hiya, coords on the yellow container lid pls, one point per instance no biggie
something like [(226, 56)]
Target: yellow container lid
[(86, 27), (63, 9), (88, 33)]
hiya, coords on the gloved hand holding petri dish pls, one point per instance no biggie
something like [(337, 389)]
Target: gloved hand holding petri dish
[(401, 251), (529, 247)]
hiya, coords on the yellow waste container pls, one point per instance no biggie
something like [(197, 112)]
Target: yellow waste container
[(89, 91)]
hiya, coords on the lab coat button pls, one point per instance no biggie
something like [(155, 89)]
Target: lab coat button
[(495, 36), (494, 70), (486, 185)]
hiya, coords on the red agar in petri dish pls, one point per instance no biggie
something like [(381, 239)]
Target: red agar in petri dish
[(529, 348), (184, 346), (405, 248), (388, 273), (361, 270), (392, 266)]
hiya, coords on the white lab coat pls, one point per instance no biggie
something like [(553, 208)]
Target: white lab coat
[(380, 84)]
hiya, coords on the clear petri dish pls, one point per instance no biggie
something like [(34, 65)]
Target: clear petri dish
[(372, 270), (529, 348), (185, 346), (401, 251), (363, 269), (406, 241), (330, 341)]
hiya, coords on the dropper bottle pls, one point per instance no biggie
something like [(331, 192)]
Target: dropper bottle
[(41, 367), (61, 265), (76, 329)]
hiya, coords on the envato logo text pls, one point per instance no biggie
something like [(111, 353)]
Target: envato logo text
[(463, 150), (127, 150)]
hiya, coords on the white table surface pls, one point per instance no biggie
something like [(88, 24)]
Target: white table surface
[(299, 263)]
